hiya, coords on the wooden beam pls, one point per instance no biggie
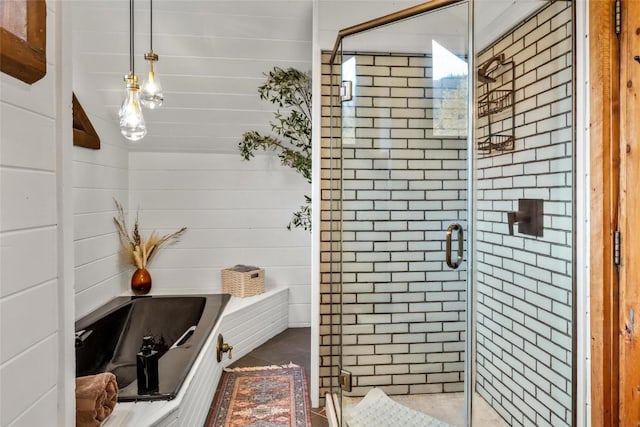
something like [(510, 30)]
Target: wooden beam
[(84, 134), (629, 215), (604, 164), (25, 58)]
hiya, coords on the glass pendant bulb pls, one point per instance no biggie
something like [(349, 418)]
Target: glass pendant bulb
[(151, 95), (132, 124)]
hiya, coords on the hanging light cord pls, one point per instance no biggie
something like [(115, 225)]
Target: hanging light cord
[(131, 45), (151, 25)]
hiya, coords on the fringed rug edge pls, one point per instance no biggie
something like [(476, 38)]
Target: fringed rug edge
[(261, 368)]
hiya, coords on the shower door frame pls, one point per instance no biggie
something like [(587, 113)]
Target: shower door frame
[(580, 364), (407, 13)]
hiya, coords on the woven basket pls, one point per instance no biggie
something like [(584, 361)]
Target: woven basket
[(243, 281)]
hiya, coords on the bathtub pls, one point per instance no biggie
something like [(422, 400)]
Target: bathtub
[(108, 339), (245, 323)]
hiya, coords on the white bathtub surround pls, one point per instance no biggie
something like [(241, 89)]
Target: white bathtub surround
[(246, 323)]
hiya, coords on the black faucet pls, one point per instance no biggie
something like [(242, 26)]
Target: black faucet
[(81, 336)]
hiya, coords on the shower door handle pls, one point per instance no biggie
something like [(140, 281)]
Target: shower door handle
[(450, 230)]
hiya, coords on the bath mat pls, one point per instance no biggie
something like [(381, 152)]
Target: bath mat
[(271, 396), (377, 409)]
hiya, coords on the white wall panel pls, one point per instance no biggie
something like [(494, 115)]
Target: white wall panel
[(239, 238), (222, 256), (212, 179), (99, 176), (28, 146), (30, 199), (22, 328), (214, 199), (39, 414), (89, 274), (100, 292), (199, 67), (37, 98), (20, 253), (187, 45), (26, 378), (92, 224), (92, 249), (188, 161), (175, 17), (221, 218), (236, 212), (29, 291)]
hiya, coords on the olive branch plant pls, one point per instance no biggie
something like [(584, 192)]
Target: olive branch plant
[(290, 91), (136, 249)]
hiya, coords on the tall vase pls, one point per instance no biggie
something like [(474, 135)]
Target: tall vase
[(141, 282)]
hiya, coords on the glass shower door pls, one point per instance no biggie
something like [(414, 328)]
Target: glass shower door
[(524, 343), (404, 217), (413, 181)]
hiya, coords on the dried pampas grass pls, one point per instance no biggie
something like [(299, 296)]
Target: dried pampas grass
[(137, 250)]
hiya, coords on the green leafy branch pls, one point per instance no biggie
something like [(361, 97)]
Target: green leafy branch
[(290, 90)]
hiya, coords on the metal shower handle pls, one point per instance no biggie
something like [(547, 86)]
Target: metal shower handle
[(450, 230)]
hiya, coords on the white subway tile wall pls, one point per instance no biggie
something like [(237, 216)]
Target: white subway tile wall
[(403, 308), (524, 287)]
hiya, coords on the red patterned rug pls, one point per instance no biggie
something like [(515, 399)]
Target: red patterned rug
[(266, 396)]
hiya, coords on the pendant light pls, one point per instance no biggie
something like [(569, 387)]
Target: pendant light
[(132, 124), (151, 93)]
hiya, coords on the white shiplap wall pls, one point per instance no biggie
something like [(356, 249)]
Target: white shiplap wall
[(212, 53), (236, 213), (212, 58), (29, 278), (99, 176)]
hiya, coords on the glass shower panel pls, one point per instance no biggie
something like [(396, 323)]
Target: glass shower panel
[(403, 170), (524, 149), (399, 169)]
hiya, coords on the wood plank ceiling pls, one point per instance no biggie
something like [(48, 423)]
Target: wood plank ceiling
[(213, 54)]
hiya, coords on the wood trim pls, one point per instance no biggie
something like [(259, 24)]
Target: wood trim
[(629, 225), (26, 60), (604, 170), (84, 134)]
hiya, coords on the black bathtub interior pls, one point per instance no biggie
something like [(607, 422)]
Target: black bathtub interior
[(108, 339)]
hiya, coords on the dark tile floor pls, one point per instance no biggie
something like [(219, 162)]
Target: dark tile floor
[(292, 345)]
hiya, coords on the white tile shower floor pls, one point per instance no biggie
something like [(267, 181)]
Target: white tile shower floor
[(447, 407)]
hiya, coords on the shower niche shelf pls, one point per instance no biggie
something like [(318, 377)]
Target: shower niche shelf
[(497, 105), (495, 102)]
